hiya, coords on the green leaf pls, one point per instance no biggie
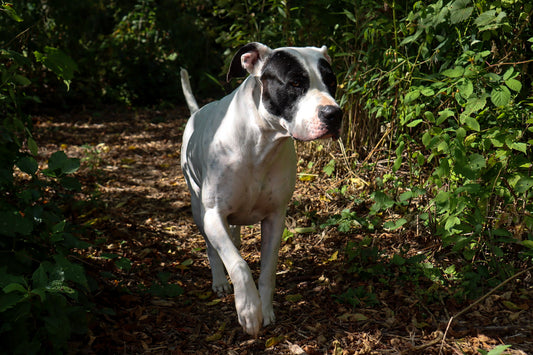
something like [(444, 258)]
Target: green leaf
[(443, 115), (411, 96), (472, 123), (466, 89), (475, 104), (498, 350), (40, 277), (382, 202), (521, 147), (10, 11), (22, 80), (476, 161), (414, 123), (514, 84), (58, 62), (28, 165), (500, 96), (123, 264), (60, 164), (451, 222), (488, 20), (454, 73), (70, 183), (329, 168), (32, 145), (393, 225), (523, 184), (508, 73), (427, 92), (527, 243), (460, 11), (426, 138), (14, 287), (72, 272)]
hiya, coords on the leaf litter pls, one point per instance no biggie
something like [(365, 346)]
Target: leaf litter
[(157, 299)]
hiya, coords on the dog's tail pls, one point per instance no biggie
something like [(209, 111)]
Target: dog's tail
[(187, 91)]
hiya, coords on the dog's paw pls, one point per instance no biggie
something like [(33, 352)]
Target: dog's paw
[(268, 315), (249, 312), (222, 288)]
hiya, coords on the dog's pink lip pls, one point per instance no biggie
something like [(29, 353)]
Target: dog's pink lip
[(329, 134)]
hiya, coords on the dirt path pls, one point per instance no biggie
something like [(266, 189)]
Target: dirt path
[(147, 250)]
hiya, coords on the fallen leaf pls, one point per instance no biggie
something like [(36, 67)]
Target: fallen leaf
[(274, 341), (307, 177), (127, 161), (205, 295), (510, 305), (163, 303), (214, 302), (213, 337), (302, 230), (296, 349), (352, 317), (294, 298)]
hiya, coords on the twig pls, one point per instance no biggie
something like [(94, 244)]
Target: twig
[(515, 63), (416, 349), (377, 145), (463, 311)]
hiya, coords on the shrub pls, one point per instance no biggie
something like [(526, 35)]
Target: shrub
[(41, 288)]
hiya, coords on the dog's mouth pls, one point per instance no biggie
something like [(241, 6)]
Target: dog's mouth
[(334, 134)]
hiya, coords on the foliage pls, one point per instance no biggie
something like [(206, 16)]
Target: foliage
[(124, 51), (41, 288), (449, 82)]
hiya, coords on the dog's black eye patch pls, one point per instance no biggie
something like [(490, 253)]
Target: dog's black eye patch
[(284, 81), (329, 79)]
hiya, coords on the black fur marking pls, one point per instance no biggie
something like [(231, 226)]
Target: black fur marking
[(284, 81), (235, 69), (329, 79)]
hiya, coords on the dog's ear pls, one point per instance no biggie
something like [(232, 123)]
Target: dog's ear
[(324, 51), (250, 58)]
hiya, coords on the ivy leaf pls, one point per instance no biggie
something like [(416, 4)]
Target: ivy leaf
[(500, 96)]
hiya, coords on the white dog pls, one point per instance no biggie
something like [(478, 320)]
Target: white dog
[(240, 164)]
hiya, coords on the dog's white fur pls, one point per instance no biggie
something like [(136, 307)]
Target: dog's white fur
[(240, 165)]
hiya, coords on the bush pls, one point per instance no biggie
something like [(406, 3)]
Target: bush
[(453, 93), (41, 288)]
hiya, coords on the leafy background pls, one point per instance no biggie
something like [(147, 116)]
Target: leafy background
[(438, 114)]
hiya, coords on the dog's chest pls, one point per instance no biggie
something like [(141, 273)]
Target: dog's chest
[(259, 190)]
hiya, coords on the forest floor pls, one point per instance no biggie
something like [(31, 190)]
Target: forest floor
[(152, 282)]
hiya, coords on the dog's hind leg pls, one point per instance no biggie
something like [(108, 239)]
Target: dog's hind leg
[(235, 234), (220, 285)]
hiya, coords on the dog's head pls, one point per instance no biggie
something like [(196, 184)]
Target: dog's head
[(297, 88)]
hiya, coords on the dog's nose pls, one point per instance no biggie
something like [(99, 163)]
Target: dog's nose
[(330, 114)]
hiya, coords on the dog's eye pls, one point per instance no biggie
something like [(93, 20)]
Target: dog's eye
[(294, 83)]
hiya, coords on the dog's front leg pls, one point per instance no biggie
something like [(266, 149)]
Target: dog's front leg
[(247, 300), (271, 231)]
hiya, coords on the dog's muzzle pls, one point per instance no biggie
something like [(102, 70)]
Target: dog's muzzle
[(331, 117)]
